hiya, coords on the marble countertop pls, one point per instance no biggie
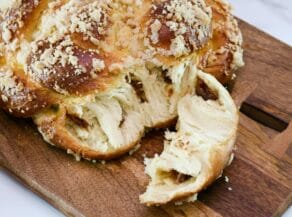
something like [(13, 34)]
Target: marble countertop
[(272, 16)]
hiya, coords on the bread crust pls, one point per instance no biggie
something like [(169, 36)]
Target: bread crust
[(219, 56), (22, 97), (53, 130)]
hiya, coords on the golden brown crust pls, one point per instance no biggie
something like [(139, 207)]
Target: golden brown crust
[(217, 56), (14, 20), (21, 97), (173, 24), (73, 70), (52, 127)]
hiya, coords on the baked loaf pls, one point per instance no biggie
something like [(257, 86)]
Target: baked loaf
[(95, 75)]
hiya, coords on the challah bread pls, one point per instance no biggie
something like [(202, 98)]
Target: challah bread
[(194, 155), (96, 75)]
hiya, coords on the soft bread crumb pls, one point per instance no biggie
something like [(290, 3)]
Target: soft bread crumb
[(204, 127)]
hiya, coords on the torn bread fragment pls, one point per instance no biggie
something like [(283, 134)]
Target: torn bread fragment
[(196, 153)]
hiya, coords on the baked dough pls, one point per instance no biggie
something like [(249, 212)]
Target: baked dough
[(222, 56), (95, 75), (195, 154)]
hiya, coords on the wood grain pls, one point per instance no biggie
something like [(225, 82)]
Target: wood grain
[(268, 61), (280, 144), (260, 176)]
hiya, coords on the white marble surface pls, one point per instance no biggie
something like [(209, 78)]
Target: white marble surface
[(272, 16)]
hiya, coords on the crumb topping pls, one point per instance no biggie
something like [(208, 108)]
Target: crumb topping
[(91, 20), (155, 27), (179, 26), (52, 54), (14, 13), (8, 85), (61, 65)]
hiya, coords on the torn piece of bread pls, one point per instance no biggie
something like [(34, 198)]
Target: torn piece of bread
[(195, 155)]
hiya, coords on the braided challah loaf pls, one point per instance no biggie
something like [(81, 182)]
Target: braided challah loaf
[(95, 74)]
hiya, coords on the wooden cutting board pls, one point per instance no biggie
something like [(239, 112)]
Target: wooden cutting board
[(260, 179)]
